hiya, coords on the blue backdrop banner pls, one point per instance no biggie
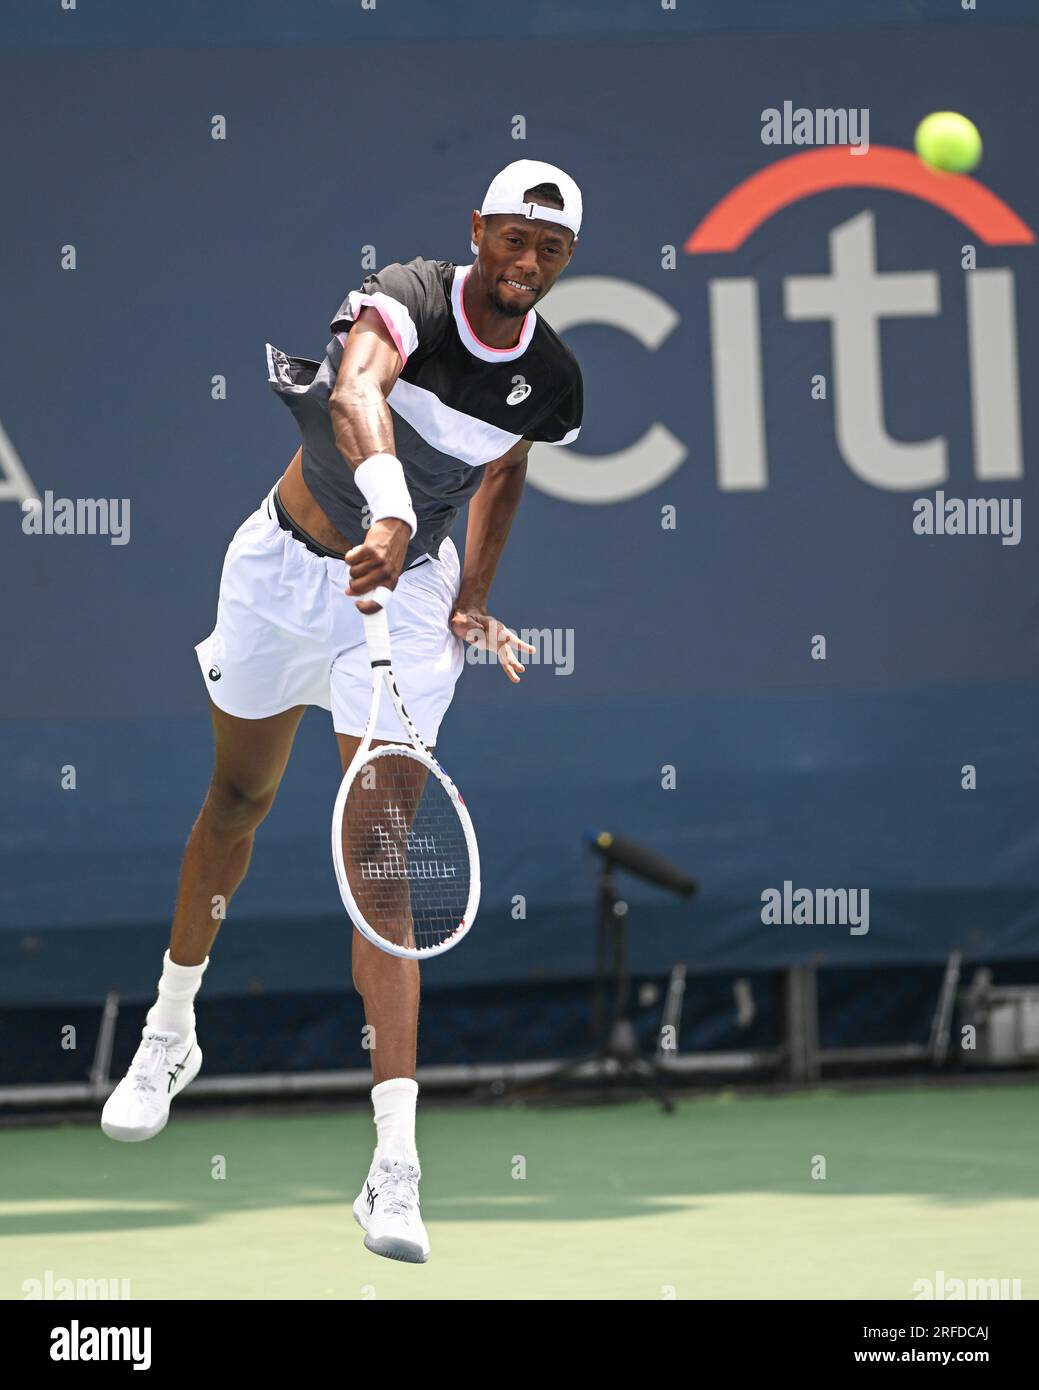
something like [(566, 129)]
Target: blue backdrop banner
[(783, 587)]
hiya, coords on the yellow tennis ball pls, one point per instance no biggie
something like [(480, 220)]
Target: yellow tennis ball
[(946, 140)]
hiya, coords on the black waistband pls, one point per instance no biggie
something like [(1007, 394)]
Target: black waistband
[(315, 547)]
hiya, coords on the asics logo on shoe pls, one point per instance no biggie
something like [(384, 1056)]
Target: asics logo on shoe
[(173, 1076), (518, 393), (371, 1195)]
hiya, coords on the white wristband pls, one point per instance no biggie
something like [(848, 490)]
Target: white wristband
[(381, 481)]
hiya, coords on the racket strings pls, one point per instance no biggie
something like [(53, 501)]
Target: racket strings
[(404, 852)]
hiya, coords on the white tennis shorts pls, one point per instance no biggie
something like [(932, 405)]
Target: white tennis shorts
[(287, 634)]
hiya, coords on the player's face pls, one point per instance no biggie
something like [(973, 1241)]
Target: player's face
[(521, 260)]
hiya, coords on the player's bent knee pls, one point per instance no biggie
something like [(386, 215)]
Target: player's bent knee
[(232, 810)]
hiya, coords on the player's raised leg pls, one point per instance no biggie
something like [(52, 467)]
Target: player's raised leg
[(250, 759), (251, 756)]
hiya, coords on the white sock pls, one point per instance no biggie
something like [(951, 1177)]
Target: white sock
[(174, 1010), (394, 1103)]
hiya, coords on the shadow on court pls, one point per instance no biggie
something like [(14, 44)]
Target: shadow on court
[(516, 1163)]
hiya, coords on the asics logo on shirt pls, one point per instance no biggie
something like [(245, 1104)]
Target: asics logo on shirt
[(518, 393)]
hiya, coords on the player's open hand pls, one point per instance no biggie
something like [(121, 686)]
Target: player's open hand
[(378, 560), (488, 634)]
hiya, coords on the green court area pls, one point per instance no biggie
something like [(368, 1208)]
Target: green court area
[(717, 1200)]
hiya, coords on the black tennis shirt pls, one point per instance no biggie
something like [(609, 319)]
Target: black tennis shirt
[(456, 406)]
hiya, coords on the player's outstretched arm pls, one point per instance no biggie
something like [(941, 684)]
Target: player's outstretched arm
[(491, 511)]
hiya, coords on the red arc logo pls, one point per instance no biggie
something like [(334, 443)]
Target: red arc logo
[(751, 203)]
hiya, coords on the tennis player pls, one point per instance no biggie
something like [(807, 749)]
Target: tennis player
[(436, 381)]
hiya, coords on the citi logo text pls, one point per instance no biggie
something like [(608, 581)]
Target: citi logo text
[(853, 298)]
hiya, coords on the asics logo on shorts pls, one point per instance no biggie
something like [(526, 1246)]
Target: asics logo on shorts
[(214, 673), (518, 393)]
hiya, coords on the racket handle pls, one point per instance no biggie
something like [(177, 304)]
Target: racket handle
[(380, 595), (377, 630)]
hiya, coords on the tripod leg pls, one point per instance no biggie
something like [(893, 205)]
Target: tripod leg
[(653, 1084)]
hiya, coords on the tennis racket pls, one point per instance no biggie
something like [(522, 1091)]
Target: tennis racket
[(403, 843)]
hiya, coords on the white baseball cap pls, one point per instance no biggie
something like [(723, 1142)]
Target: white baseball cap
[(506, 191)]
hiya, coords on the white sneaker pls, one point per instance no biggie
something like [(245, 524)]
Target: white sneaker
[(387, 1210), (162, 1066)]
